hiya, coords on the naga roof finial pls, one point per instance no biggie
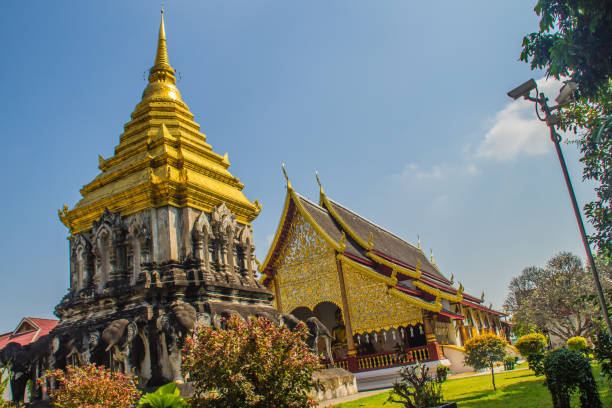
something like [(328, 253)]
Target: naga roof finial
[(319, 182), (289, 187), (419, 242)]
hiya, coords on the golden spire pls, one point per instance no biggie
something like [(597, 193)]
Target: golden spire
[(162, 51), (161, 75)]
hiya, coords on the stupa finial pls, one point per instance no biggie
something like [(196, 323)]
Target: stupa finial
[(161, 75), (162, 51)]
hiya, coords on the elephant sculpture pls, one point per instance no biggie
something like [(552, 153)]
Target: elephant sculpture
[(174, 326), (118, 337), (316, 332), (81, 345), (26, 364)]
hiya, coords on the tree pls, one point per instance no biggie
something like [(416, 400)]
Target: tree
[(552, 298), (252, 363), (574, 41), (484, 350)]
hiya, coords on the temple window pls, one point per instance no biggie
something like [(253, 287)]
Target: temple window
[(212, 253)]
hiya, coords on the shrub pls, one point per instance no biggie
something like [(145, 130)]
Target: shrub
[(166, 396), (93, 387), (569, 371), (532, 347), (416, 388), (577, 343), (603, 352), (442, 372), (252, 363), (509, 362), (532, 343), (484, 350)]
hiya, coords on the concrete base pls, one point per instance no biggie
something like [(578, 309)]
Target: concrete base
[(385, 377), (335, 383)]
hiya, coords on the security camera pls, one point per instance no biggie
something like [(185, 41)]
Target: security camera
[(522, 90), (566, 93)]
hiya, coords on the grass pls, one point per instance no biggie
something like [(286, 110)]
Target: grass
[(517, 388)]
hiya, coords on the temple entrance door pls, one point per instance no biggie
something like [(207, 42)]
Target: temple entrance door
[(331, 316), (303, 313)]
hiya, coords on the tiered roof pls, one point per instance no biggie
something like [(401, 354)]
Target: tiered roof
[(405, 267), (162, 159)]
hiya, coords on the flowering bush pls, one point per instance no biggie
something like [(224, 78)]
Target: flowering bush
[(93, 387), (252, 363)]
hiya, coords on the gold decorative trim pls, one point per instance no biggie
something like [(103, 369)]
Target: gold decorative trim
[(396, 268), (390, 281), (323, 199), (436, 307), (338, 246), (437, 292)]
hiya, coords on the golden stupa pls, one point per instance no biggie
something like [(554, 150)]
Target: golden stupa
[(162, 159)]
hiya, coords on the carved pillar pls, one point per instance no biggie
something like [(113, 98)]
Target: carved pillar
[(432, 343), (350, 342)]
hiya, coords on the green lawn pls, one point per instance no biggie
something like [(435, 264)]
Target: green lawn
[(514, 389)]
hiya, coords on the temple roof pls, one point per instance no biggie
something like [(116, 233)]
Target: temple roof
[(386, 243), (28, 331), (162, 159), (390, 258)]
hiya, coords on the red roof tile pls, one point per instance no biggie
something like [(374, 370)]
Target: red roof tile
[(43, 327)]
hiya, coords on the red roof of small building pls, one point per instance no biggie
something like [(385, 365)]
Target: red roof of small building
[(28, 331)]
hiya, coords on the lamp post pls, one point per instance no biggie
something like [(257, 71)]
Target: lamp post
[(565, 97)]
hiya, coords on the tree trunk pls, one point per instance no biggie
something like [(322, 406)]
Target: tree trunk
[(492, 374)]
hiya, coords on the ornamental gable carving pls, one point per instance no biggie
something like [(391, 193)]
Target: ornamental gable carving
[(223, 223), (371, 307), (306, 270)]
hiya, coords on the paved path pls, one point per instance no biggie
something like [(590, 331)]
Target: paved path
[(353, 397)]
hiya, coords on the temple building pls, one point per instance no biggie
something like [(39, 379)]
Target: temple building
[(160, 240), (385, 303)]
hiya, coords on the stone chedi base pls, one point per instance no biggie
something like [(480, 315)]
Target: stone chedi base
[(333, 383), (139, 284)]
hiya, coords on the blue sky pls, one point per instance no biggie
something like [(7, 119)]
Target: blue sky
[(401, 106)]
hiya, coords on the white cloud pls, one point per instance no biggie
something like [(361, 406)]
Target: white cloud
[(517, 130), (413, 171)]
